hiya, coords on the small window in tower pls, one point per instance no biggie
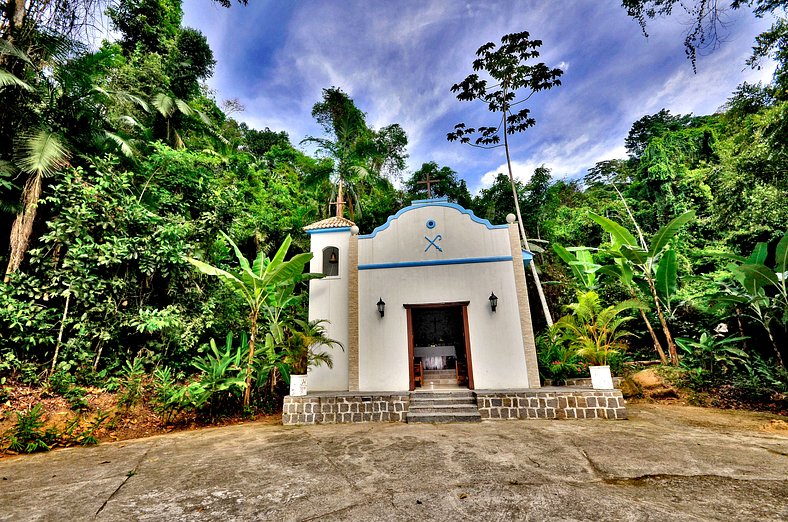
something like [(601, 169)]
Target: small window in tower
[(331, 261)]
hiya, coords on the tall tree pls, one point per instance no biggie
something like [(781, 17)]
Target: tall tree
[(512, 82), (362, 156), (652, 126)]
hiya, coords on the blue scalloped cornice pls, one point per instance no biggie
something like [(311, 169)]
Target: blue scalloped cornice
[(435, 202)]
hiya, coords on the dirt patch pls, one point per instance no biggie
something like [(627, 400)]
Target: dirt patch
[(119, 422), (775, 425), (653, 385), (722, 420)]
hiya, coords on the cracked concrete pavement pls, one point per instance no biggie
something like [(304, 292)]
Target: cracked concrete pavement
[(665, 463)]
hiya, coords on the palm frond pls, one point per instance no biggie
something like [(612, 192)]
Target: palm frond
[(129, 121), (42, 153), (10, 80), (126, 96), (8, 48), (122, 144), (203, 117), (184, 107), (164, 104)]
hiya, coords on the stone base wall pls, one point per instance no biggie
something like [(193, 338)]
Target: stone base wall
[(561, 404), (345, 407)]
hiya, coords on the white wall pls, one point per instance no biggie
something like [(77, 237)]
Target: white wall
[(496, 341), (328, 299)]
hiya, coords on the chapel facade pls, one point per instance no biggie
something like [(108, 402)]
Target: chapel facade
[(434, 289)]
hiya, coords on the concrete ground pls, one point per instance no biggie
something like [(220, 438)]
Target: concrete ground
[(665, 463)]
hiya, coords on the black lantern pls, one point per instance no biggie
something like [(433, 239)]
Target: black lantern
[(493, 301), (381, 307)]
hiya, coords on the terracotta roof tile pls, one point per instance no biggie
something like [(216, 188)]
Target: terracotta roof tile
[(332, 222)]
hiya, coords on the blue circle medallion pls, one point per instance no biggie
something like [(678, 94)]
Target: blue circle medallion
[(431, 223)]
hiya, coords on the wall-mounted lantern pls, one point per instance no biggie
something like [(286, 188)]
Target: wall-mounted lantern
[(381, 307), (493, 302)]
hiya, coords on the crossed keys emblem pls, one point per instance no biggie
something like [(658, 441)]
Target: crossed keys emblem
[(432, 243)]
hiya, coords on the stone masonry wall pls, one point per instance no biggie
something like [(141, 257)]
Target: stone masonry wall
[(345, 408), (543, 404)]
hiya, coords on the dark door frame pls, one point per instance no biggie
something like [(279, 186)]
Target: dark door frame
[(466, 333)]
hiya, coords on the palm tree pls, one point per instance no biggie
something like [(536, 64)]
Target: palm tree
[(361, 155), (301, 351), (57, 97), (594, 332)]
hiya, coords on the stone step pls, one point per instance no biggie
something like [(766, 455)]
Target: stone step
[(442, 394), (444, 408), (439, 372), (428, 381), (414, 417), (442, 401)]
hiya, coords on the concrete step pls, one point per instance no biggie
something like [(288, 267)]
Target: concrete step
[(428, 381), (440, 373), (414, 417)]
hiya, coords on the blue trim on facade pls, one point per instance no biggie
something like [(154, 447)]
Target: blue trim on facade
[(527, 257), (328, 230), (436, 262), (437, 202), (443, 199)]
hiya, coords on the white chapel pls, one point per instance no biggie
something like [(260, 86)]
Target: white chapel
[(434, 288)]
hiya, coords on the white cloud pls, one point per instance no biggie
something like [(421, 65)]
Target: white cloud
[(559, 159), (398, 61)]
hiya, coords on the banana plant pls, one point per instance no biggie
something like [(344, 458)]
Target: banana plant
[(257, 283), (761, 290), (654, 263), (582, 265)]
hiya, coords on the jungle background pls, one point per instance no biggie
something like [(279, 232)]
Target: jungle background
[(118, 165)]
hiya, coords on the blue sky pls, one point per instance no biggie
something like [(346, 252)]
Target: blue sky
[(398, 60)]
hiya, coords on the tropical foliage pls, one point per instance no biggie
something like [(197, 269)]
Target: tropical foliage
[(120, 173)]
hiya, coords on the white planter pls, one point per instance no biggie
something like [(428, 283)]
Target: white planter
[(298, 385), (600, 378)]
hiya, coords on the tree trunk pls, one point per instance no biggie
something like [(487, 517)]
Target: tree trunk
[(657, 344), (98, 355), (23, 224), (774, 345), (741, 327), (248, 391), (537, 281), (674, 354), (60, 334), (654, 338)]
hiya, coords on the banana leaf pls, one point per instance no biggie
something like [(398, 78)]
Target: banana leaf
[(666, 233), (667, 273), (619, 235)]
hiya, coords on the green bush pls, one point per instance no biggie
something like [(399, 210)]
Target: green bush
[(76, 398), (60, 382), (132, 383), (28, 435)]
